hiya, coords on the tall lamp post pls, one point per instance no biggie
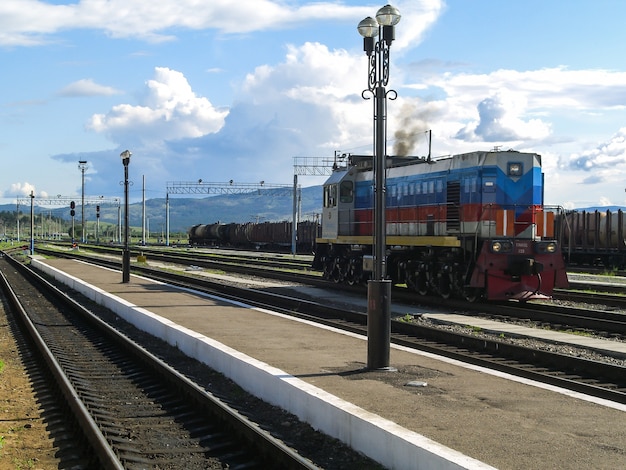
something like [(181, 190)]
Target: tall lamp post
[(379, 288), (125, 155), (82, 166), (32, 223)]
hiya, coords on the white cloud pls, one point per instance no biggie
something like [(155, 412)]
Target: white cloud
[(416, 18), (526, 110), (26, 22), (169, 111), (500, 120), (602, 160), (23, 190), (549, 88), (87, 87)]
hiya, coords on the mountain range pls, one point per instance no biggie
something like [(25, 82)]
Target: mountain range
[(267, 206)]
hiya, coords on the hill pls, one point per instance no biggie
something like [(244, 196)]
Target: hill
[(186, 212)]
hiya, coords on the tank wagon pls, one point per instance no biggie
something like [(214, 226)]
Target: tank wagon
[(471, 225), (593, 238), (266, 235)]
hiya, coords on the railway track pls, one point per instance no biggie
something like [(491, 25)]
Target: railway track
[(604, 322), (214, 257), (594, 378), (134, 410)]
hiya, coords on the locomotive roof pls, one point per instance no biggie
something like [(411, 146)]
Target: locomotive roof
[(479, 158)]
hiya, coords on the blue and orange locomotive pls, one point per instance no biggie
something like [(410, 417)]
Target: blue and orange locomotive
[(472, 225)]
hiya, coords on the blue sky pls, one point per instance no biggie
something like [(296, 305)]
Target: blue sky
[(222, 90)]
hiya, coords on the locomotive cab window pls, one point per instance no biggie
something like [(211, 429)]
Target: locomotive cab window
[(346, 192), (515, 169), (330, 195)]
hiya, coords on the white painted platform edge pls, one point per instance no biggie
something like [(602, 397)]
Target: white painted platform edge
[(386, 442)]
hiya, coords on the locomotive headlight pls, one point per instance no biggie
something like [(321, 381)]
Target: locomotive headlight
[(546, 247), (515, 169), (501, 246)]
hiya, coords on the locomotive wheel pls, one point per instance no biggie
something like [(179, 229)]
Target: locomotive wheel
[(326, 274), (445, 286), (350, 273), (353, 275), (336, 277), (410, 277), (472, 294), (421, 284)]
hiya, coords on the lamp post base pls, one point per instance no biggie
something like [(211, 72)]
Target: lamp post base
[(125, 266), (378, 324)]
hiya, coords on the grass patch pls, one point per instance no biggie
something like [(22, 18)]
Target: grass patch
[(1, 365), (20, 464), (577, 332)]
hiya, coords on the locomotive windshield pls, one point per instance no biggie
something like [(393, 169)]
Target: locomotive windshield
[(346, 191)]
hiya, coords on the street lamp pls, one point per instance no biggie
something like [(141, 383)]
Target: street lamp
[(82, 166), (379, 288), (125, 155), (32, 223)]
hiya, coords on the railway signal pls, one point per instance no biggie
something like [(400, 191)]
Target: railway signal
[(73, 213)]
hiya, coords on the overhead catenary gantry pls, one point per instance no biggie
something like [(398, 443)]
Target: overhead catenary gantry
[(59, 200), (66, 200), (316, 166), (229, 187)]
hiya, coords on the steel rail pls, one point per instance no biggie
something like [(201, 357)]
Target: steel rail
[(106, 456), (281, 455)]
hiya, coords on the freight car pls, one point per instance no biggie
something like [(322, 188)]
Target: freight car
[(471, 225), (266, 235), (593, 238)]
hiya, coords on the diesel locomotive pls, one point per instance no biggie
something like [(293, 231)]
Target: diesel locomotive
[(472, 225)]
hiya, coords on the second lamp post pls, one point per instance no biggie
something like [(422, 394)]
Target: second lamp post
[(125, 155), (379, 288)]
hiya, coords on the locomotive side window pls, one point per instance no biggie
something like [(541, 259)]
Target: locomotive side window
[(330, 195), (346, 192)]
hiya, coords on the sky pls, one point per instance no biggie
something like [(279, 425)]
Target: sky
[(221, 90)]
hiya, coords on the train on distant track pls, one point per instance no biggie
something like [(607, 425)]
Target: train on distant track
[(265, 235), (593, 238)]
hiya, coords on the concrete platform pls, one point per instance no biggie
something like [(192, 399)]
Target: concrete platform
[(464, 417)]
